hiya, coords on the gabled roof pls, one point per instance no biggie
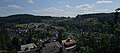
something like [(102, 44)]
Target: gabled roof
[(31, 45), (69, 44)]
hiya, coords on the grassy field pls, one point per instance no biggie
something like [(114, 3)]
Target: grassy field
[(19, 25)]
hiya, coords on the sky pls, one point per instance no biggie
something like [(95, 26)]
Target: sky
[(57, 7)]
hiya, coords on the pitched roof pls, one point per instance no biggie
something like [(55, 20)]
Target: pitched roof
[(69, 44), (31, 45), (68, 41)]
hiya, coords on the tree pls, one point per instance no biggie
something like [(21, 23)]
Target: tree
[(115, 40), (16, 43), (86, 49), (5, 41)]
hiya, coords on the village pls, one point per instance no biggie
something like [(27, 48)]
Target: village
[(84, 33), (52, 44), (67, 46)]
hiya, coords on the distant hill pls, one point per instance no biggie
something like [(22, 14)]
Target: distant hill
[(23, 18), (27, 18), (101, 16)]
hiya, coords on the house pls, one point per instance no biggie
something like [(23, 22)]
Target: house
[(69, 44), (56, 47), (29, 48), (50, 48)]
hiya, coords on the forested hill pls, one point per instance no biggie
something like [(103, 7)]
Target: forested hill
[(27, 18), (101, 16), (23, 18), (94, 33)]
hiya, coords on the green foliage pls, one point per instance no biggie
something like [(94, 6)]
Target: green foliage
[(86, 49), (5, 41), (16, 43), (20, 25), (92, 32)]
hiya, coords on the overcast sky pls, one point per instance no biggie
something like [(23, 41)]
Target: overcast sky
[(57, 7)]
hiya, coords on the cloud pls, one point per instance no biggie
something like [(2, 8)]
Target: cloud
[(30, 1), (63, 2), (87, 8), (104, 1), (84, 7), (2, 14), (103, 10), (14, 7), (69, 13), (5, 0), (9, 7), (68, 6), (96, 11), (51, 11)]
